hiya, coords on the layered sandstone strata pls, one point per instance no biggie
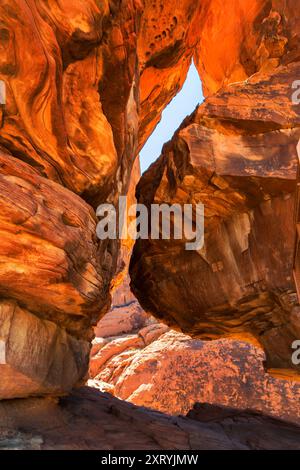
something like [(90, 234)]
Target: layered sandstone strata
[(86, 83), (237, 155), (77, 78), (51, 283)]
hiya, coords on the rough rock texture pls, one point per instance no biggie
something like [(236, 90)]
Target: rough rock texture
[(231, 40), (36, 356), (242, 37), (86, 82), (89, 420), (48, 251), (237, 155), (141, 361), (76, 119), (166, 44), (77, 76), (121, 335)]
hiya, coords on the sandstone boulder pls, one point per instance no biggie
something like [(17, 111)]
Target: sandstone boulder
[(120, 320), (237, 155)]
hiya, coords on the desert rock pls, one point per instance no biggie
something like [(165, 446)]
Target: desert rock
[(149, 365), (110, 424), (237, 155)]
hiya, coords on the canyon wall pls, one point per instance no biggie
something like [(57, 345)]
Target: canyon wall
[(86, 83), (237, 155), (78, 77)]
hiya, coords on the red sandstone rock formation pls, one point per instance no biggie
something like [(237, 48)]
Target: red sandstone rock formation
[(141, 361), (78, 78), (127, 242), (86, 83), (242, 37), (237, 155)]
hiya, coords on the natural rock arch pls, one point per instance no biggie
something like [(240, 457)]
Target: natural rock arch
[(86, 82)]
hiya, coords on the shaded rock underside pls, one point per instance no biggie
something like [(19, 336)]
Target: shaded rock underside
[(89, 420)]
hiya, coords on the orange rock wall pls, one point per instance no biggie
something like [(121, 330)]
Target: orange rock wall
[(237, 155), (74, 73), (86, 83)]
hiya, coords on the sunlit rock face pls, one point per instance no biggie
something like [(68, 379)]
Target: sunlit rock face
[(86, 82), (142, 361), (75, 76), (48, 250), (73, 111), (242, 37), (127, 242), (166, 44), (237, 155), (52, 283)]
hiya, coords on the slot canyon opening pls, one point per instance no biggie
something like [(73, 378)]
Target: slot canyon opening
[(88, 93), (181, 106), (127, 330), (145, 362)]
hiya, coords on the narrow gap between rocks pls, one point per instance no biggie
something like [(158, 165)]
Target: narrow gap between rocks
[(126, 330), (182, 105)]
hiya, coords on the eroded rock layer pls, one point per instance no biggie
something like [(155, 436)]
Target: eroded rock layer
[(77, 78), (237, 155), (38, 357)]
